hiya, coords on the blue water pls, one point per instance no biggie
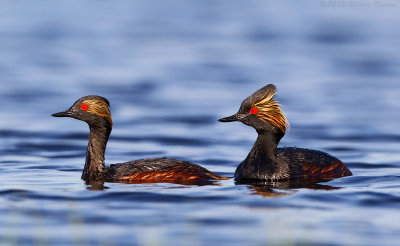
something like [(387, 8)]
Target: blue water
[(170, 69)]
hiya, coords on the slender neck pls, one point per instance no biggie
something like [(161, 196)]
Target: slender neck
[(265, 146), (94, 165), (261, 163)]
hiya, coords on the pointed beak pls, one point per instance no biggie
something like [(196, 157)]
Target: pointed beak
[(66, 113), (231, 118)]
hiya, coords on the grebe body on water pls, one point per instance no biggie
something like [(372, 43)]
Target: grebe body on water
[(94, 110), (267, 162)]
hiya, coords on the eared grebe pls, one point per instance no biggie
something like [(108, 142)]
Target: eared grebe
[(94, 110), (267, 162)]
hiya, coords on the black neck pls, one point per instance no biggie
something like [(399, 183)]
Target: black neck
[(265, 146), (94, 165), (262, 163)]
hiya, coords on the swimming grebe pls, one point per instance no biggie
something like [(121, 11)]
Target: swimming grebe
[(94, 110), (267, 162)]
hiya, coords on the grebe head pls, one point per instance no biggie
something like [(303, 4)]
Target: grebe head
[(94, 110), (262, 111)]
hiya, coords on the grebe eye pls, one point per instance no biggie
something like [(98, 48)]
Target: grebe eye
[(254, 111), (85, 107)]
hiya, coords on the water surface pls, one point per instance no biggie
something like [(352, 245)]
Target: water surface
[(170, 69)]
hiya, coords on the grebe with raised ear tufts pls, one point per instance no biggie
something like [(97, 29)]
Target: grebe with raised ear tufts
[(266, 162), (94, 110)]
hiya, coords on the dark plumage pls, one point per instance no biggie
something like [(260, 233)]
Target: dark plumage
[(267, 162), (94, 110)]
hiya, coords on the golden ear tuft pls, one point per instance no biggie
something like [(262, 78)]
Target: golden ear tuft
[(269, 110), (100, 108)]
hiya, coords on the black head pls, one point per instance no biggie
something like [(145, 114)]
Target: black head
[(92, 109), (261, 111)]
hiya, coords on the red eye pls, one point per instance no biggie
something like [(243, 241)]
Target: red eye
[(254, 110), (85, 107)]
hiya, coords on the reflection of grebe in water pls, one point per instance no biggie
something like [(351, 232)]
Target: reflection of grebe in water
[(94, 110), (267, 162), (275, 189)]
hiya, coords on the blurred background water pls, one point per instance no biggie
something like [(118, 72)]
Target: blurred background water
[(170, 69)]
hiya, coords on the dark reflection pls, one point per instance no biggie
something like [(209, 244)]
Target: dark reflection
[(286, 188), (99, 185), (96, 185), (267, 191)]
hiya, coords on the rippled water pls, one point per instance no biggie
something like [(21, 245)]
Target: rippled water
[(170, 69)]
